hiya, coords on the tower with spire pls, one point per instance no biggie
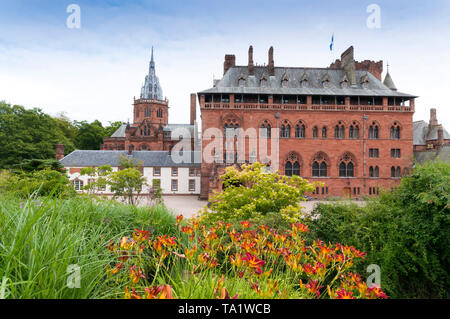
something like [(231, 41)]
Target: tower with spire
[(151, 88), (388, 80)]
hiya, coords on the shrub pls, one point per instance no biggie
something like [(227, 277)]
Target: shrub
[(252, 193), (44, 182), (406, 232)]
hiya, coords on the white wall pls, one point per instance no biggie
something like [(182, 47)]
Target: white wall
[(165, 178)]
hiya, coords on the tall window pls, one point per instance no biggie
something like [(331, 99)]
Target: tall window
[(174, 185), (319, 170), (291, 169), (374, 171), (395, 132), (192, 185), (147, 112), (300, 130), (324, 132), (315, 132), (174, 171), (265, 131), (339, 131), (346, 170), (354, 131), (285, 131), (373, 131), (395, 171), (159, 113)]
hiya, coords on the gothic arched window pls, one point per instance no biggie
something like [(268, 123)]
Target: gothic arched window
[(373, 131), (315, 132), (159, 113), (324, 132), (395, 131), (285, 131), (300, 130)]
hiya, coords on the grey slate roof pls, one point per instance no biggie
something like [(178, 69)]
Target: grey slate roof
[(148, 158), (389, 82), (120, 131), (314, 86), (421, 133), (431, 155)]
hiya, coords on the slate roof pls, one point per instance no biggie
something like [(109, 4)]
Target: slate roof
[(443, 155), (149, 158), (421, 133), (120, 132), (314, 86)]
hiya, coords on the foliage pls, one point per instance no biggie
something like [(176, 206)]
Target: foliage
[(406, 232), (99, 177), (252, 193), (37, 165), (28, 134), (44, 182), (127, 183), (41, 238), (226, 262)]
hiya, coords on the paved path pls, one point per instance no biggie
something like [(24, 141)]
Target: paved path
[(190, 205)]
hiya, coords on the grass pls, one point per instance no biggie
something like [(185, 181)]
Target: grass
[(41, 238)]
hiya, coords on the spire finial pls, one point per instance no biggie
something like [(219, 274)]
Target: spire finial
[(152, 53), (388, 67)]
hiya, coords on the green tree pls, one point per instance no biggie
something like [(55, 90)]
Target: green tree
[(89, 135), (100, 177), (112, 128), (253, 193), (28, 134), (127, 183)]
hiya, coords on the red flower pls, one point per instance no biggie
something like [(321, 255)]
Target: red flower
[(253, 262), (246, 224)]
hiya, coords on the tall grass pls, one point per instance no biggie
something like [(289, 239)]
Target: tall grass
[(41, 239)]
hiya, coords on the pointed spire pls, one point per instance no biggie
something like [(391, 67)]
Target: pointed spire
[(151, 88), (388, 81)]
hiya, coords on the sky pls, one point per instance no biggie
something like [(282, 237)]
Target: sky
[(93, 72)]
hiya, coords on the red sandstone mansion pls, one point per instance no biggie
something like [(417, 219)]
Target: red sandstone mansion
[(342, 125)]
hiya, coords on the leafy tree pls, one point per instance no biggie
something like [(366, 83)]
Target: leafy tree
[(252, 193), (89, 136), (28, 134), (127, 183), (99, 175)]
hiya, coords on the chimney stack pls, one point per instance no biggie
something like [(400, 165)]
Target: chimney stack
[(271, 64), (433, 118), (348, 64), (251, 69), (230, 61), (59, 152), (440, 134), (193, 108)]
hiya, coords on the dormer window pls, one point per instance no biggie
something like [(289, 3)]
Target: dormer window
[(344, 82), (304, 81), (365, 81), (241, 81), (284, 81), (263, 82), (326, 81)]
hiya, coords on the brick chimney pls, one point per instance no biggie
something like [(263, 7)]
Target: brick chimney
[(433, 118), (348, 64), (193, 108), (59, 152), (251, 69), (271, 64), (230, 61), (440, 134)]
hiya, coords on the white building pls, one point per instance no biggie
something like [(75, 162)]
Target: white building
[(158, 167)]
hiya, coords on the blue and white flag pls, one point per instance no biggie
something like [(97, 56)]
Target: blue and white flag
[(332, 42)]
